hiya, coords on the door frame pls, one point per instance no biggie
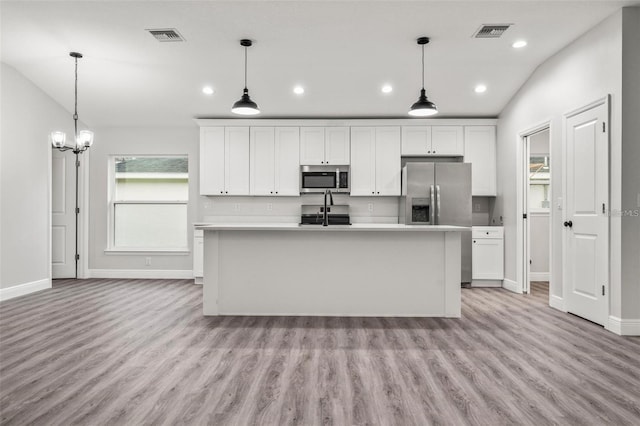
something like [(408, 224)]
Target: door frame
[(522, 250), (606, 101)]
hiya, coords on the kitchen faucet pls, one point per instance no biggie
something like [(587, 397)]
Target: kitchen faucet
[(325, 217)]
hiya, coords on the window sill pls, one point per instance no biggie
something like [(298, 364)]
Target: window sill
[(167, 251)]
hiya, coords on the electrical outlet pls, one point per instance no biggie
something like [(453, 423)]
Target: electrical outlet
[(477, 207), (559, 203), (269, 206), (147, 261), (370, 207), (236, 207)]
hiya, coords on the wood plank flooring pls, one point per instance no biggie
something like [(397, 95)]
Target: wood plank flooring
[(138, 352)]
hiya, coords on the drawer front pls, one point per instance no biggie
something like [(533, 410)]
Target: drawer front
[(487, 232)]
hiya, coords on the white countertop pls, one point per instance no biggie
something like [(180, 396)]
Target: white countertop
[(318, 228)]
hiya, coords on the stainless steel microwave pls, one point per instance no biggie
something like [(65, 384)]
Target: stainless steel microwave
[(320, 178)]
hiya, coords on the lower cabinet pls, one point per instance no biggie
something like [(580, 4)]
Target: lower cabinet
[(487, 255), (198, 255)]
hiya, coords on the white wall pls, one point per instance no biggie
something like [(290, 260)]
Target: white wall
[(137, 141), (631, 164), (539, 245), (586, 70), (27, 117)]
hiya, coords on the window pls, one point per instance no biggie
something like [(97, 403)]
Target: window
[(148, 205), (539, 168)]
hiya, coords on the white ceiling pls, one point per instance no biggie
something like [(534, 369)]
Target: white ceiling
[(340, 51)]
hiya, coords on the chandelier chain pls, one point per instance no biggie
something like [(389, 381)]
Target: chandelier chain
[(75, 112)]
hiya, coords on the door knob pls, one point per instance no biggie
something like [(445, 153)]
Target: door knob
[(569, 224)]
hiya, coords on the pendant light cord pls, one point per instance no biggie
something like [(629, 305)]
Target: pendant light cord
[(245, 68), (75, 113), (423, 66)]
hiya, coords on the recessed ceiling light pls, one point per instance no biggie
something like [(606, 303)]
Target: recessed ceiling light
[(207, 90), (387, 88), (298, 90), (519, 44), (480, 88)]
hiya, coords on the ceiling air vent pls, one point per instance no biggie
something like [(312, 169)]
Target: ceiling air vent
[(491, 31), (166, 34)]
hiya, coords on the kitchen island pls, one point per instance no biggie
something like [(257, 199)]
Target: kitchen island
[(356, 270)]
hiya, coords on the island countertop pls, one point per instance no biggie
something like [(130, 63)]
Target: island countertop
[(357, 227)]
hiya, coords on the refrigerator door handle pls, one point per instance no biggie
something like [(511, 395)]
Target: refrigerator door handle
[(438, 202), (432, 219)]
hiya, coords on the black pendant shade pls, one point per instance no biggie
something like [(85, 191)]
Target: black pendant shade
[(245, 106), (424, 107)]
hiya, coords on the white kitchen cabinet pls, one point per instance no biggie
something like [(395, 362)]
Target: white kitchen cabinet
[(324, 145), (198, 255), (487, 253), (480, 151), (274, 161), (375, 161), (438, 141), (447, 141), (224, 161)]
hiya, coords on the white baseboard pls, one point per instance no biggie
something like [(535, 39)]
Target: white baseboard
[(538, 276), (624, 327), (26, 288), (557, 302), (486, 283), (511, 286), (156, 274)]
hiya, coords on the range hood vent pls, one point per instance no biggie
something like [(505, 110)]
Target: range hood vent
[(491, 30), (166, 34)]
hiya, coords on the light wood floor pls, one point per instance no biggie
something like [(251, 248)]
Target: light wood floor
[(133, 352)]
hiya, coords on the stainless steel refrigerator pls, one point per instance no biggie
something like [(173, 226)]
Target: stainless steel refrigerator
[(439, 194)]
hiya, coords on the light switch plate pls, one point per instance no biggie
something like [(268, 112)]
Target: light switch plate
[(559, 203)]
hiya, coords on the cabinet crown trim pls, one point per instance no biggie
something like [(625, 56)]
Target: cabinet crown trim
[(211, 122)]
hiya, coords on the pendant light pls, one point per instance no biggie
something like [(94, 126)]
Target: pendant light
[(245, 106), (84, 138), (424, 107)]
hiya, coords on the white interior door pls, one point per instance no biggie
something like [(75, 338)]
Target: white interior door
[(63, 231), (586, 230)]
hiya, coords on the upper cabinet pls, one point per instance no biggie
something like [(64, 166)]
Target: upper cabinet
[(437, 141), (324, 145), (274, 166), (375, 161), (480, 151), (224, 161)]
